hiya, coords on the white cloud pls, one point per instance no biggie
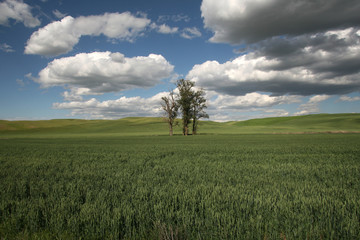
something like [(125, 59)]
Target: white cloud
[(349, 99), (111, 109), (61, 36), (247, 21), (6, 48), (59, 14), (245, 114), (53, 39), (318, 98), (165, 29), (101, 72), (174, 18), (75, 94), (124, 26), (190, 33), (323, 63), (222, 107), (251, 100), (312, 106), (19, 11)]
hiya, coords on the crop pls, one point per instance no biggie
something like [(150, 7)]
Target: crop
[(195, 187)]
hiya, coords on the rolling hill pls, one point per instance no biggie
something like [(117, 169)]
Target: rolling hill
[(137, 126)]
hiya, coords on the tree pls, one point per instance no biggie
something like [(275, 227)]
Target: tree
[(198, 109), (170, 106), (191, 103), (185, 101)]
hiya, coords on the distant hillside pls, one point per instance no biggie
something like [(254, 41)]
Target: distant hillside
[(156, 126), (308, 123), (58, 127)]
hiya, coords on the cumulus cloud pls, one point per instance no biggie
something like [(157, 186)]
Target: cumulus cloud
[(165, 29), (102, 72), (251, 100), (322, 63), (246, 21), (111, 109), (223, 107), (19, 11), (312, 106), (60, 37), (53, 39), (75, 94), (293, 49)]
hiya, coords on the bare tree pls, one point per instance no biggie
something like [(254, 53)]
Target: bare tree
[(170, 106)]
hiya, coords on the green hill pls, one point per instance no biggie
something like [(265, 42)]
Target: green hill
[(58, 127), (156, 126), (300, 124)]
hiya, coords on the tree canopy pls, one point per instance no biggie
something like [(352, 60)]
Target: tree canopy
[(190, 102)]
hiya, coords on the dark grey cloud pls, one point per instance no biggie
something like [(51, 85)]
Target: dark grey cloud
[(296, 47), (321, 63), (334, 53), (279, 87), (243, 21), (330, 41)]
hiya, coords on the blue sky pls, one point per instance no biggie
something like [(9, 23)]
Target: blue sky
[(112, 59)]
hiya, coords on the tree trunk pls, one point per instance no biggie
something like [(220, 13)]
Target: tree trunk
[(185, 130), (171, 131), (194, 126), (185, 127)]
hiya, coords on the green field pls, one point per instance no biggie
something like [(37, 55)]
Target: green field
[(125, 179), (156, 126)]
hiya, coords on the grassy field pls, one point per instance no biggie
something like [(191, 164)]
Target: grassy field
[(156, 126), (59, 180)]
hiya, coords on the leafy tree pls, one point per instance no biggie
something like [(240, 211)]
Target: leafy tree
[(198, 109), (170, 106), (185, 101), (192, 104)]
